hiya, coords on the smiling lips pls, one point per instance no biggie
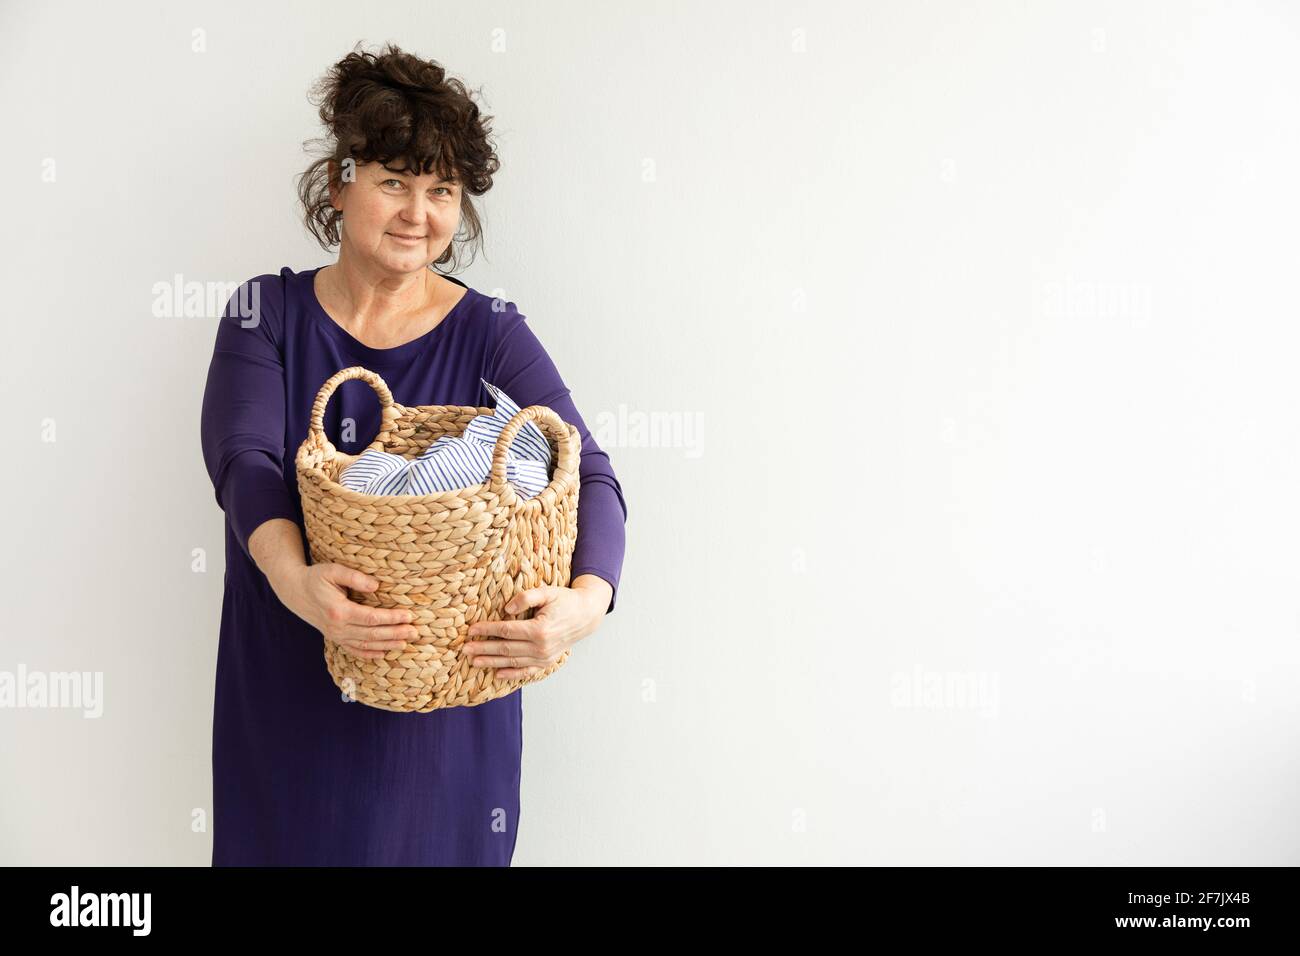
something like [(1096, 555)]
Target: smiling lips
[(402, 238)]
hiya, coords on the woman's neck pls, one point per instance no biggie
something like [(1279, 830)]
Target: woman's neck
[(382, 313)]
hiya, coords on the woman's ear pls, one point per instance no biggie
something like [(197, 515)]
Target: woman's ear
[(336, 186)]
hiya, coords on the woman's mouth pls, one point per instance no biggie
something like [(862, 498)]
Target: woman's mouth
[(408, 240)]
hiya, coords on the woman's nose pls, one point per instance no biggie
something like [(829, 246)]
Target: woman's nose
[(414, 208)]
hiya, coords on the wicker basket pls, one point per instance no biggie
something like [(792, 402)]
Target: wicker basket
[(455, 557)]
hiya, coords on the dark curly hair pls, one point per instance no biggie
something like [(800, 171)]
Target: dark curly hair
[(394, 106)]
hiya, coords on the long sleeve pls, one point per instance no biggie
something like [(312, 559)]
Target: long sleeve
[(243, 417), (521, 367)]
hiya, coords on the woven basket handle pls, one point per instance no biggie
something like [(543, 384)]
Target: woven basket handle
[(316, 430), (565, 435)]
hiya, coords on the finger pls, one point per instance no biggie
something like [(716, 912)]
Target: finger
[(510, 656), (502, 648), (511, 673), (364, 653), (506, 660), (387, 644), (362, 615), (506, 630), (350, 577), (532, 597), (384, 634), (374, 647), (519, 666), (371, 650)]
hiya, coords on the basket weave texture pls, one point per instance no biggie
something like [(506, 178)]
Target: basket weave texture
[(454, 557)]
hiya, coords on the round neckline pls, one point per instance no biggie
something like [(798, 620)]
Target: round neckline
[(398, 353)]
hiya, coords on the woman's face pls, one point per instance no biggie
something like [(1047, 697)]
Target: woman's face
[(383, 207)]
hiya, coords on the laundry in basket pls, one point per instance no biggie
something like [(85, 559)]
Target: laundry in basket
[(458, 461)]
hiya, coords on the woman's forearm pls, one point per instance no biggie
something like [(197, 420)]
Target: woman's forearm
[(276, 549)]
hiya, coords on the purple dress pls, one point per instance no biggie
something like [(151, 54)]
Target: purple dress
[(301, 776)]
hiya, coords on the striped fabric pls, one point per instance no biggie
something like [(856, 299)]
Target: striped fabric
[(455, 462)]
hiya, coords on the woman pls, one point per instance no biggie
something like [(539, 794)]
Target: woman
[(302, 776)]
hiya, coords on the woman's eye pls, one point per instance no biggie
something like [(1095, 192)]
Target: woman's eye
[(387, 181), (444, 189)]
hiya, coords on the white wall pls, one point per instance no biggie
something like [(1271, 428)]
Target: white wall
[(986, 312)]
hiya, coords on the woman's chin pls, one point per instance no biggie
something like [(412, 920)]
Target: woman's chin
[(404, 260)]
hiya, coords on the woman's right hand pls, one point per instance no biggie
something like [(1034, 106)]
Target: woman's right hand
[(317, 593)]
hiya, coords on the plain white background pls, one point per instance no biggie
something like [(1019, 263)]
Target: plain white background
[(977, 544)]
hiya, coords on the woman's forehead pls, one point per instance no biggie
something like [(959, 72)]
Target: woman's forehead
[(399, 168)]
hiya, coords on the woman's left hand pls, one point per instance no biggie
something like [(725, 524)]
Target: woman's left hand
[(564, 616)]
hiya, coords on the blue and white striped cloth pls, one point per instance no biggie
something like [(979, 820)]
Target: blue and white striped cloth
[(461, 461)]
